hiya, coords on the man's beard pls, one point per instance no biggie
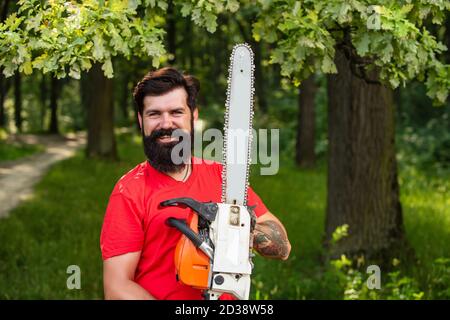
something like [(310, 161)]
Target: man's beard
[(159, 154)]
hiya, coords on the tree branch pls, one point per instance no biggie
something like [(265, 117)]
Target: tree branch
[(358, 64)]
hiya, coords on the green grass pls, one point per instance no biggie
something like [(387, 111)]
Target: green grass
[(61, 226), (14, 151), (426, 201), (298, 197)]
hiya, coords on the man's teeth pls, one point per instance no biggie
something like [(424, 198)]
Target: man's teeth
[(168, 137)]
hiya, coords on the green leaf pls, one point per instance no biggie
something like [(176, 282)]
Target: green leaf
[(155, 62), (151, 3), (210, 22), (85, 64), (362, 45), (27, 68), (108, 68), (232, 5), (186, 8), (277, 56), (344, 12), (75, 72), (386, 53), (132, 4), (265, 3), (340, 233), (441, 95), (163, 5), (9, 69), (99, 50), (78, 41), (328, 65), (394, 82), (13, 21)]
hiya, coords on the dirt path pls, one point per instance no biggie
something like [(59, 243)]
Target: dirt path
[(17, 178)]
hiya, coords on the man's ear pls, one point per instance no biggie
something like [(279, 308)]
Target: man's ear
[(195, 113), (140, 120)]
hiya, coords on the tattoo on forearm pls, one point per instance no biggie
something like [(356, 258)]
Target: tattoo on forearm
[(270, 240)]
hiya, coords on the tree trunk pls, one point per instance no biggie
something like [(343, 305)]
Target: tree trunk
[(43, 95), (259, 77), (305, 154), (2, 99), (275, 70), (135, 74), (4, 10), (363, 191), (219, 45), (125, 95), (5, 84), (54, 95), (3, 81), (171, 32), (189, 47), (84, 91), (18, 101), (101, 140)]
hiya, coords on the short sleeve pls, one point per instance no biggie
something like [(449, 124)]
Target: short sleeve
[(253, 199), (122, 230)]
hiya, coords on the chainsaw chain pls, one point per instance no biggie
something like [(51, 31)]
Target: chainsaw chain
[(227, 108)]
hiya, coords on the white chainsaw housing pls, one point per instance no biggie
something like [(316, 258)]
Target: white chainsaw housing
[(232, 266)]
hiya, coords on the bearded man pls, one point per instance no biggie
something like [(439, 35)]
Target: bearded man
[(137, 246)]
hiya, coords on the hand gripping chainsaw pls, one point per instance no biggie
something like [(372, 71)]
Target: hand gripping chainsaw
[(214, 253)]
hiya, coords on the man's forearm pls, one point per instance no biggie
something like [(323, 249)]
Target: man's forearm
[(127, 290), (270, 240)]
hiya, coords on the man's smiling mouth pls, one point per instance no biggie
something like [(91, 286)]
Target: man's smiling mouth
[(167, 139)]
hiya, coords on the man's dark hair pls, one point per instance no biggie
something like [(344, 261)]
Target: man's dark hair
[(159, 82)]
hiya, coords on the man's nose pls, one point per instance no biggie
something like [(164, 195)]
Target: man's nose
[(166, 121)]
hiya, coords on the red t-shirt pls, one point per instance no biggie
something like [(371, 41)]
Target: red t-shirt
[(134, 222)]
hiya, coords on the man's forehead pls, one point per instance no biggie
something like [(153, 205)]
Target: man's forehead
[(175, 98)]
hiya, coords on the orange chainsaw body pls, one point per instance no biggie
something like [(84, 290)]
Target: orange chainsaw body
[(191, 264)]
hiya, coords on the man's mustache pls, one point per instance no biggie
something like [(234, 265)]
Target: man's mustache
[(161, 133)]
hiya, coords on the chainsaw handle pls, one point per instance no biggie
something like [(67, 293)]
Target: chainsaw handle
[(206, 210), (181, 225)]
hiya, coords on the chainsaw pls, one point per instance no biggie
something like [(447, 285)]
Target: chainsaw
[(214, 253)]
